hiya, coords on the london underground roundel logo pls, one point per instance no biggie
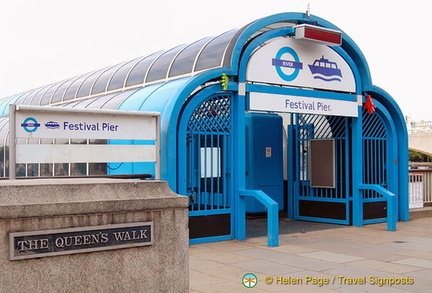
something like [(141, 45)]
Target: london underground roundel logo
[(287, 64), (30, 124)]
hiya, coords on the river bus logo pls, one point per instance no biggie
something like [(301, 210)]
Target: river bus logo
[(287, 64), (326, 70), (30, 124), (52, 125), (249, 280)]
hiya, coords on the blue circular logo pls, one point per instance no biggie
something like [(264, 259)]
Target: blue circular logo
[(30, 124), (294, 65)]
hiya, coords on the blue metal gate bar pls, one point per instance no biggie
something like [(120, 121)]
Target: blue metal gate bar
[(375, 163), (209, 139), (307, 127)]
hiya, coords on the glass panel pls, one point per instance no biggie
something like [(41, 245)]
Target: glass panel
[(86, 86), (45, 100), (29, 96), (57, 97), (159, 69), (96, 103), (213, 53), (184, 61), (117, 99), (78, 141), (101, 83), (32, 170), (138, 72), (97, 169), (21, 99), (118, 79), (46, 169), (38, 96), (61, 169), (73, 104), (71, 91), (20, 170), (78, 169), (5, 102)]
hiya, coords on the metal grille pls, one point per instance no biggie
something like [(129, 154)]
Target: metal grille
[(324, 127), (374, 153), (208, 141)]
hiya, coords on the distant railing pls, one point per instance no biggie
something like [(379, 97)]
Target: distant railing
[(420, 188)]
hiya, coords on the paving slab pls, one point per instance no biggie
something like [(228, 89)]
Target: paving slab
[(350, 259), (415, 262), (267, 267), (332, 257)]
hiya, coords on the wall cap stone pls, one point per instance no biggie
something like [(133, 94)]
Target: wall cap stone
[(59, 197)]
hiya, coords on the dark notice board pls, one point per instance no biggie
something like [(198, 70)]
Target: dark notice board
[(322, 163)]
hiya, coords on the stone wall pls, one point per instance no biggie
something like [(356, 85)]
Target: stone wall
[(34, 205)]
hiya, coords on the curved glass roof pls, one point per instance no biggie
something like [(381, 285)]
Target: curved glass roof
[(178, 62), (181, 61)]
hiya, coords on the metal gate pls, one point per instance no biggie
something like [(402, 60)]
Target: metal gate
[(309, 201), (208, 164), (375, 166)]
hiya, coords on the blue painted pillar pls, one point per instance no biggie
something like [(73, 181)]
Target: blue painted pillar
[(239, 159), (357, 169)]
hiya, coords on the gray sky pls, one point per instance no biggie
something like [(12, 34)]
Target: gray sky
[(50, 40)]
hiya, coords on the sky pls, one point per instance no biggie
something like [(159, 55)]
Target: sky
[(46, 41)]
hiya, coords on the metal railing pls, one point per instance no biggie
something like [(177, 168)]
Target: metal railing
[(420, 188), (272, 215), (391, 203)]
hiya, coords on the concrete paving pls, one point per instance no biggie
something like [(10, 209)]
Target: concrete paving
[(317, 257)]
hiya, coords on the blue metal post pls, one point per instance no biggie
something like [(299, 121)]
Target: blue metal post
[(239, 159), (357, 169), (272, 214)]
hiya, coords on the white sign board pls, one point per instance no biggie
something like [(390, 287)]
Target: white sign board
[(44, 122), (306, 105), (27, 122), (287, 61)]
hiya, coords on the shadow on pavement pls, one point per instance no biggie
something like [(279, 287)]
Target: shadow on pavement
[(257, 226)]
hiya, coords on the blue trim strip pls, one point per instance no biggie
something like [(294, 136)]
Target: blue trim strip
[(211, 212)]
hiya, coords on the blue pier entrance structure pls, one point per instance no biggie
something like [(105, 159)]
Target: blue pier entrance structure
[(298, 126)]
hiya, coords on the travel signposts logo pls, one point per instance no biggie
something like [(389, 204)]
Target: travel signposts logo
[(249, 280)]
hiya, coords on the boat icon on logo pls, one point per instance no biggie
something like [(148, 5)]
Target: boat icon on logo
[(325, 70), (52, 125)]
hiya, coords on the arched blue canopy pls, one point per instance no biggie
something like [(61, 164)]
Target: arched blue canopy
[(165, 80)]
